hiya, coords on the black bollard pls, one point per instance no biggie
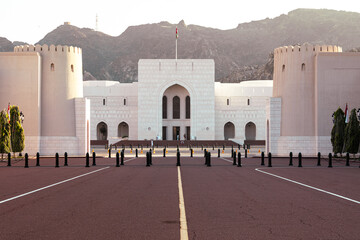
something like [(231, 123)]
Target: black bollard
[(117, 159), (150, 157), (56, 160), (94, 159), (318, 159), (65, 159), (37, 159), (223, 147), (122, 154), (213, 147), (136, 152), (205, 152), (218, 152), (164, 152), (330, 160), (26, 160), (205, 156), (9, 160), (208, 159), (87, 163), (262, 159), (347, 159), (245, 153), (178, 159), (269, 160), (300, 160), (238, 146), (239, 159), (232, 151), (110, 152), (147, 159), (291, 159), (191, 152), (234, 158)]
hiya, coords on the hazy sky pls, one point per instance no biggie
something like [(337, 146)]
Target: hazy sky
[(29, 21)]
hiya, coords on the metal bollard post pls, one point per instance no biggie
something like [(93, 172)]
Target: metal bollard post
[(150, 156), (87, 164), (178, 159), (209, 159), (147, 159), (318, 159), (213, 147), (136, 152), (26, 160), (232, 151), (56, 160), (205, 156), (347, 159), (234, 158), (122, 154), (37, 159), (117, 160), (218, 152), (223, 147), (205, 152), (291, 159), (300, 160), (94, 158), (164, 152), (239, 159), (262, 159), (191, 152), (269, 159), (330, 160), (245, 152), (109, 152), (65, 159), (9, 160)]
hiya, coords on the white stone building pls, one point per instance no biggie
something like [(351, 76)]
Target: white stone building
[(177, 100)]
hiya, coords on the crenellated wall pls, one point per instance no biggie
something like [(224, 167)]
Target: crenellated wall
[(294, 83), (61, 74)]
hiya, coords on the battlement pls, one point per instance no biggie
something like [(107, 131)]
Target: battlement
[(307, 48), (45, 48)]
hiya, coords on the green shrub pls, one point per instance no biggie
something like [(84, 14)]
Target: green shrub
[(352, 134), (338, 131)]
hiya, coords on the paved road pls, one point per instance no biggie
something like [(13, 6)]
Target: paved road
[(138, 202)]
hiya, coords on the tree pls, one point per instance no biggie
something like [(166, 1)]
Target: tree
[(17, 131), (338, 131), (5, 142), (352, 134)]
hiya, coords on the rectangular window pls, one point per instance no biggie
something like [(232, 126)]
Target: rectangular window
[(164, 130), (104, 102), (248, 101), (124, 101), (228, 102)]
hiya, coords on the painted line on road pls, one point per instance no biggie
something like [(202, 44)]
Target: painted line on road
[(52, 185), (308, 186), (183, 224), (226, 160), (130, 159)]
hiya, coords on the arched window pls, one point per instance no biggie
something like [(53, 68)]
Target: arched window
[(72, 67), (303, 67), (250, 131), (123, 130), (228, 102), (52, 67), (164, 107), (187, 106), (102, 131), (229, 130), (176, 107), (283, 67), (104, 101)]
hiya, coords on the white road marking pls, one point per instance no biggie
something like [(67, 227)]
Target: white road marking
[(227, 160), (183, 223), (52, 185), (308, 186)]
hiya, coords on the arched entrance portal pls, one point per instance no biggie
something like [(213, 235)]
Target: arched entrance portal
[(176, 108), (229, 130), (250, 131), (123, 130), (101, 131)]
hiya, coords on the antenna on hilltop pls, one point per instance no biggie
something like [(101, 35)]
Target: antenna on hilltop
[(97, 23)]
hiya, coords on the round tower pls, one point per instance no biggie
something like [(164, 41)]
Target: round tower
[(294, 83), (61, 83)]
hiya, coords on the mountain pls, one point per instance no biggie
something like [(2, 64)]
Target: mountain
[(243, 53)]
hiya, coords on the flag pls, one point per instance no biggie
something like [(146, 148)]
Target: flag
[(346, 114), (8, 112), (176, 33)]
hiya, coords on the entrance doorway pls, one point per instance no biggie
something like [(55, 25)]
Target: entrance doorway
[(176, 133), (229, 130)]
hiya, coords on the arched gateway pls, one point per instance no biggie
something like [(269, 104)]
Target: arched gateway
[(176, 113)]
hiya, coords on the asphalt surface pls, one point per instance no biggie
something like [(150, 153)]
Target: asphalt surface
[(139, 202)]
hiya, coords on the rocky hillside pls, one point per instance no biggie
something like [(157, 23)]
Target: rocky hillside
[(243, 53)]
